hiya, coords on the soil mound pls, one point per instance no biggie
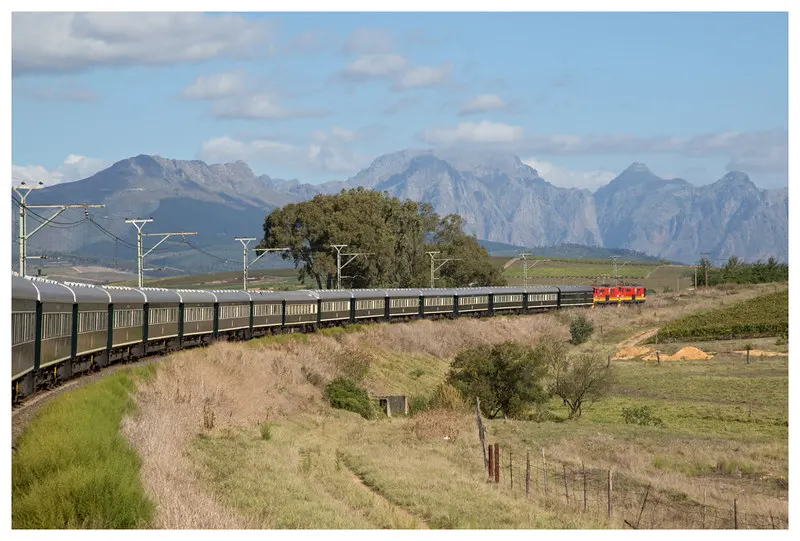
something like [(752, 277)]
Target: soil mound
[(689, 353), (632, 352), (761, 353)]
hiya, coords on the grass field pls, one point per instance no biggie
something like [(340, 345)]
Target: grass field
[(261, 278), (724, 434), (73, 468)]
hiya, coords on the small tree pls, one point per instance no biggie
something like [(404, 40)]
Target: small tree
[(579, 381), (580, 329), (507, 377)]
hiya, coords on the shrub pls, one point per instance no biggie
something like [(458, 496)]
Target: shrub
[(418, 404), (507, 377), (579, 381), (641, 416), (445, 396), (345, 394), (580, 329), (353, 363)]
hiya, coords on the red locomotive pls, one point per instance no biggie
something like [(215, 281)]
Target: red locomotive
[(619, 294)]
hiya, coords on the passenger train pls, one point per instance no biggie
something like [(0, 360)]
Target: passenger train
[(61, 328)]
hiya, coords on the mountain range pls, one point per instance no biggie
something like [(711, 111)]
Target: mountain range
[(500, 198)]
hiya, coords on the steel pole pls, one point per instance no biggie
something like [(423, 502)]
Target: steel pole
[(22, 237), (139, 254)]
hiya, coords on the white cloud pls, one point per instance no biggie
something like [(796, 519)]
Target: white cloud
[(318, 156), (75, 167), (60, 42), (396, 68), (370, 41), (570, 178), (483, 103), (376, 65), (422, 76), (217, 85), (484, 131), (260, 106)]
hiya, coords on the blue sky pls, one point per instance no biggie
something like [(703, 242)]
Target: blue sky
[(317, 96)]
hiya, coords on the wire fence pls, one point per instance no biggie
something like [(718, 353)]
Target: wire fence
[(622, 500)]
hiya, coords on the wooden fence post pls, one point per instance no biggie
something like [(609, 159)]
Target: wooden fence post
[(511, 469), (482, 434), (585, 493), (609, 495), (644, 502), (735, 516), (658, 357), (491, 462), (703, 513), (544, 467), (608, 362), (527, 473), (566, 493), (496, 462)]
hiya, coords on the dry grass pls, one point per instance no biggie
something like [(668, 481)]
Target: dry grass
[(302, 476)]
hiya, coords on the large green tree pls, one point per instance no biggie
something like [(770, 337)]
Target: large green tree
[(395, 233)]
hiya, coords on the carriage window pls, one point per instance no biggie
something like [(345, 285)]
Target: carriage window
[(233, 312), (438, 301), (507, 298), (23, 325), (196, 313), (92, 321), (301, 309), (371, 304), (55, 325), (335, 306), (160, 316), (261, 310), (480, 299), (128, 318), (405, 303)]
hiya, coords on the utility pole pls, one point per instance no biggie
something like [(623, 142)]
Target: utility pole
[(139, 224), (441, 262), (524, 255), (615, 257), (706, 264), (245, 265), (23, 190), (340, 265)]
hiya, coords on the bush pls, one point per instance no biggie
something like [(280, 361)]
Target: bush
[(507, 377), (345, 394), (353, 363), (445, 396), (418, 404), (641, 416), (580, 329)]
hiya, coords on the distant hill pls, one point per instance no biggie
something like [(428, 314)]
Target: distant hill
[(504, 202)]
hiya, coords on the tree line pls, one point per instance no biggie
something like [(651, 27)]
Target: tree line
[(396, 234), (737, 272)]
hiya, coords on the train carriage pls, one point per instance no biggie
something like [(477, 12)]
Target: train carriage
[(25, 301), (233, 312), (58, 301), (472, 299), (542, 297), (127, 329), (576, 296), (369, 303), (197, 318), (438, 301), (299, 308), (267, 311), (162, 318), (92, 312), (334, 305), (508, 298), (404, 302)]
